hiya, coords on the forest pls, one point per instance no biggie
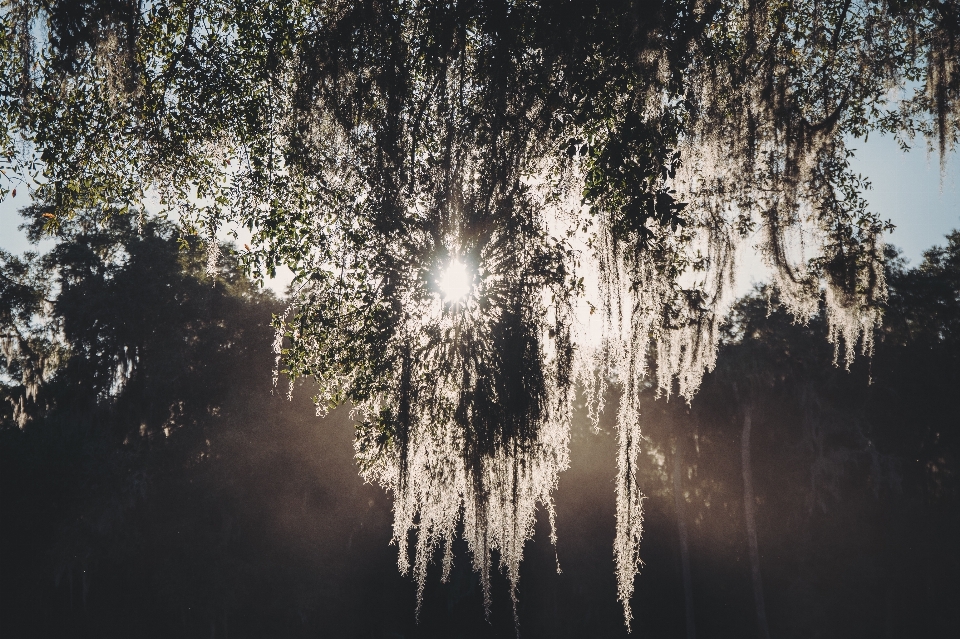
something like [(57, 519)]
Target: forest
[(510, 347), (154, 484)]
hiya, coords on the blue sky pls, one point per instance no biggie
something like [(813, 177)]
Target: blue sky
[(908, 189)]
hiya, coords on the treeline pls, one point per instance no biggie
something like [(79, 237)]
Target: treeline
[(855, 514), (154, 484)]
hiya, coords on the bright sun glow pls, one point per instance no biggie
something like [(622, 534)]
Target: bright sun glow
[(455, 282)]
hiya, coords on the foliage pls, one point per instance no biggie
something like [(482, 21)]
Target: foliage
[(109, 532), (596, 165), (853, 465), (150, 359)]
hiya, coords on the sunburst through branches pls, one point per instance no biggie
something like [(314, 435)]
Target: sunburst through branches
[(490, 205), (455, 282)]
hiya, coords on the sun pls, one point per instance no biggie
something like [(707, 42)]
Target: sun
[(455, 282)]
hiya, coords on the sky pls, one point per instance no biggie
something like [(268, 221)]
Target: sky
[(909, 189)]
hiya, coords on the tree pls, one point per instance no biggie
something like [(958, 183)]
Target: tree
[(589, 168), (852, 472), (120, 368)]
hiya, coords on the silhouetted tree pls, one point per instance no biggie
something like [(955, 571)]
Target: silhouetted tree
[(588, 168)]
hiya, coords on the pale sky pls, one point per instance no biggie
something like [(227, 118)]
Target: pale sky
[(908, 189)]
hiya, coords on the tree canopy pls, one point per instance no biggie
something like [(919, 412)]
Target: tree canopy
[(176, 495), (592, 168)]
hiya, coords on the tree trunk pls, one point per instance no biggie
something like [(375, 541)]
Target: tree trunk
[(682, 529), (748, 507)]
